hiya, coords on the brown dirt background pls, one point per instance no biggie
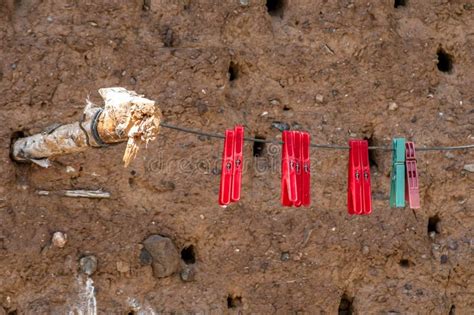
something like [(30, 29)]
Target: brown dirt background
[(359, 55)]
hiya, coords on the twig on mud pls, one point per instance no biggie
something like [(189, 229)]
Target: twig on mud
[(79, 193), (329, 50)]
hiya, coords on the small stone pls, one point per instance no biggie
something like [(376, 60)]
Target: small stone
[(88, 264), (285, 256), (319, 98), (201, 107), (123, 267), (49, 19), (275, 102), (188, 273), (280, 125), (365, 250), (13, 66), (450, 155), (432, 235), (133, 81), (444, 259), (244, 2), (59, 239), (165, 256), (392, 106), (145, 257), (469, 168), (453, 245)]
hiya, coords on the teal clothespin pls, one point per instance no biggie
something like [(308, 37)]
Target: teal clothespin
[(397, 186)]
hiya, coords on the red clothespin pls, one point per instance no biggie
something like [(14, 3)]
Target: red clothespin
[(288, 170), (412, 189), (306, 169), (296, 169), (232, 165), (359, 196)]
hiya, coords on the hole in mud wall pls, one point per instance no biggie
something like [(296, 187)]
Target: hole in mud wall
[(372, 153), (234, 301), (131, 313), (233, 73), (405, 263), (286, 108), (276, 7), (445, 61), (345, 306), (186, 4), (452, 310), (146, 5), (434, 225), (188, 255), (14, 312), (258, 147), (16, 135), (400, 3)]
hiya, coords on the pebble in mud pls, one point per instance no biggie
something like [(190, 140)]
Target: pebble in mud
[(280, 125), (392, 106), (469, 168), (285, 256), (123, 267), (188, 273), (88, 264), (59, 239), (365, 250), (319, 98), (444, 259), (165, 256), (453, 245)]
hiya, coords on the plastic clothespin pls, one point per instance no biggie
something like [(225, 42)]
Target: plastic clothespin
[(232, 165), (397, 185), (296, 169), (289, 193), (412, 189), (359, 195), (305, 181)]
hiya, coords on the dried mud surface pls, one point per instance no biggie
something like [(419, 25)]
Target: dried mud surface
[(333, 68)]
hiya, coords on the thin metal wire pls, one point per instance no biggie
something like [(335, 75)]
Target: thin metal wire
[(313, 145)]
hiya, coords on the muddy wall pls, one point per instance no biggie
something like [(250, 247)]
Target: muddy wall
[(338, 69)]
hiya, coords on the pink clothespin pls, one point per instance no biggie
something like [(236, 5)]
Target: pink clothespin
[(412, 188)]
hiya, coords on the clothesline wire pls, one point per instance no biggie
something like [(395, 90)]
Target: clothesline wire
[(313, 145)]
